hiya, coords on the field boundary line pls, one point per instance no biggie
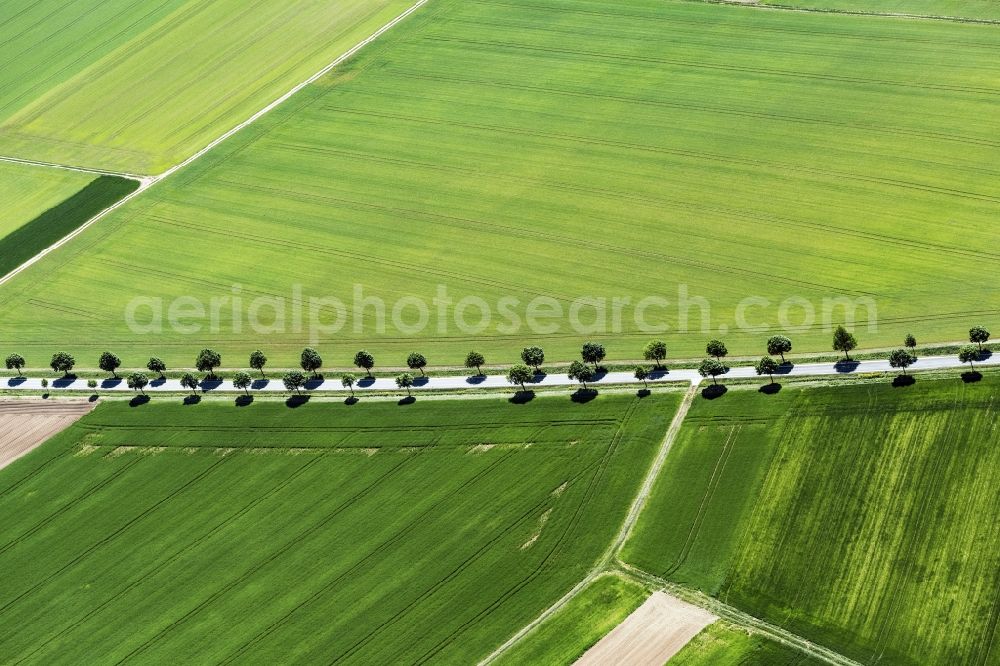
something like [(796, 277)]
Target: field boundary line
[(145, 182), (608, 558), (854, 12), (68, 167), (737, 616)]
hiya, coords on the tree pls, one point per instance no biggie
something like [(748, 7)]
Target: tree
[(593, 352), (979, 335), (844, 340), (656, 350), (416, 361), (137, 381), (15, 362), (716, 348), (519, 374), (347, 381), (581, 373), (533, 356), (968, 354), (910, 341), (311, 361), (902, 358), (779, 344), (157, 366), (109, 363), (258, 361), (190, 382), (474, 360), (766, 366), (365, 361), (62, 362), (208, 360), (243, 380), (711, 367), (405, 381), (294, 380), (641, 374)]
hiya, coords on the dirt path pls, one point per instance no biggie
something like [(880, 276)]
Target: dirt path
[(651, 635), (145, 182), (24, 424)]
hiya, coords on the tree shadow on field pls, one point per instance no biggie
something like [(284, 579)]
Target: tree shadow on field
[(583, 396), (843, 365), (770, 389), (16, 381), (352, 400), (296, 401), (522, 397), (972, 376), (714, 391), (408, 400), (643, 393), (192, 399), (93, 398), (899, 381), (138, 401), (475, 379), (244, 400)]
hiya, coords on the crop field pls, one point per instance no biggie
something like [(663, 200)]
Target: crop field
[(371, 533), (29, 191), (974, 9), (859, 517), (661, 149), (722, 644), (584, 620), (125, 85)]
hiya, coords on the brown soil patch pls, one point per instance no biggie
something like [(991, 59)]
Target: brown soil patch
[(24, 424), (651, 635)]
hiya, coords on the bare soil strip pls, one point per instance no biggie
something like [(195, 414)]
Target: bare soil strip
[(651, 635), (24, 424)]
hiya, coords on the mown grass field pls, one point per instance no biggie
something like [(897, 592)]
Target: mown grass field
[(860, 517), (569, 149), (722, 644), (29, 191), (138, 87), (974, 9), (582, 622), (371, 533)]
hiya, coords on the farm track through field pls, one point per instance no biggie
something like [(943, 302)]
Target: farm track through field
[(147, 182)]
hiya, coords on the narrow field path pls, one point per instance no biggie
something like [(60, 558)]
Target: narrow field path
[(148, 181), (24, 424), (66, 167)]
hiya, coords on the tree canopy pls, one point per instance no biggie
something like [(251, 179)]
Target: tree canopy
[(655, 350), (533, 356), (844, 340)]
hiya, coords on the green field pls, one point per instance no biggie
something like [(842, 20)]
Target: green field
[(564, 637), (570, 149), (859, 517), (974, 9), (722, 644), (38, 233), (139, 86), (28, 191), (372, 533)]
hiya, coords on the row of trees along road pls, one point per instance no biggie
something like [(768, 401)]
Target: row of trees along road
[(583, 370)]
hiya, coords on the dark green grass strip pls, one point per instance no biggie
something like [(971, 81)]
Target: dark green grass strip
[(41, 232)]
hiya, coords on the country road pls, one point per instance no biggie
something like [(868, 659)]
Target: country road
[(454, 383)]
